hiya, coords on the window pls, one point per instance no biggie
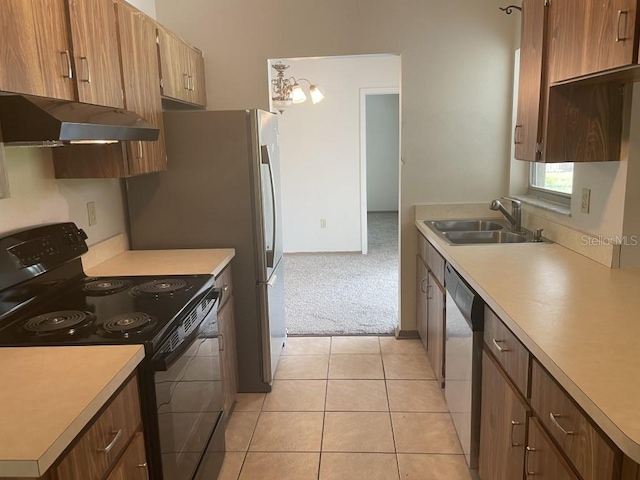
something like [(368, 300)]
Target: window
[(552, 181)]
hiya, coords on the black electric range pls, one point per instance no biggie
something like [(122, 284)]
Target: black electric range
[(47, 300)]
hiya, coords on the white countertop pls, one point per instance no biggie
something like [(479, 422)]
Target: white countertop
[(580, 319)]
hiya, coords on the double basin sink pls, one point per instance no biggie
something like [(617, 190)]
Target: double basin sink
[(480, 232)]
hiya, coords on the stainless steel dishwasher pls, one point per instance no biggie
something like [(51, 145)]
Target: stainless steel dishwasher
[(463, 362)]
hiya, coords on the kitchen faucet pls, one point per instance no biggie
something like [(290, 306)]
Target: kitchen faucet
[(515, 217)]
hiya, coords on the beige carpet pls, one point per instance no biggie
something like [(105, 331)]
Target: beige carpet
[(346, 293)]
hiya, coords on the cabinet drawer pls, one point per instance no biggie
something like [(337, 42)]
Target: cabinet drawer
[(435, 262), (510, 353), (590, 451), (91, 457), (224, 281)]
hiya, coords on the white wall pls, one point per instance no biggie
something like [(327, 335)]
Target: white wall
[(320, 152), (383, 137), (38, 198), (457, 64)]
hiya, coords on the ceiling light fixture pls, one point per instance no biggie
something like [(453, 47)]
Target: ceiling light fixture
[(286, 91)]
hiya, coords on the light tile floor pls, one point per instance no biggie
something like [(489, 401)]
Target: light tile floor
[(346, 408)]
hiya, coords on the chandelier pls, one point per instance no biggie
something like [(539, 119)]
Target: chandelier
[(286, 91)]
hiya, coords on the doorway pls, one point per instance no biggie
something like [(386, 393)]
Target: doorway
[(334, 286)]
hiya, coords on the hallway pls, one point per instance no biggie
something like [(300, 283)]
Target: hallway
[(346, 408)]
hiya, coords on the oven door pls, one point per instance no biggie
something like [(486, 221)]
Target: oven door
[(189, 400)]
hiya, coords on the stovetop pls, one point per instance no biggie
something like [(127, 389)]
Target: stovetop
[(104, 310)]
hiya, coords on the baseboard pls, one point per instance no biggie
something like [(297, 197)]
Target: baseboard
[(406, 334)]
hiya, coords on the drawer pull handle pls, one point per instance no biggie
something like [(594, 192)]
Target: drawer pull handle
[(513, 424), (87, 70), (108, 448), (221, 342), (500, 348), (429, 290), (515, 135), (527, 453), (620, 13), (144, 465), (225, 288), (553, 417)]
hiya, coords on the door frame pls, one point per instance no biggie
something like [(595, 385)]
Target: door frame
[(364, 92)]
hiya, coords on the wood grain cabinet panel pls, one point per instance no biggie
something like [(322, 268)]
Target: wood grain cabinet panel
[(543, 461), (181, 70), (435, 262), (531, 82), (592, 454), (36, 54), (95, 49), (139, 63), (591, 36), (133, 463), (227, 343), (503, 425), (422, 277), (98, 448), (436, 327), (512, 355)]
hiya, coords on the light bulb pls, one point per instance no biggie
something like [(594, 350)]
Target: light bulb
[(316, 94), (297, 94)]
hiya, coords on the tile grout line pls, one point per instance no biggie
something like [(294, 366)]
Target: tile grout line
[(393, 432), (324, 413)]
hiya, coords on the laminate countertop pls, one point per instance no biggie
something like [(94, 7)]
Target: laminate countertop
[(580, 319), (165, 262), (49, 394)]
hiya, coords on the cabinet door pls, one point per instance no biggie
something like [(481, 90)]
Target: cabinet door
[(503, 425), (36, 51), (228, 359), (133, 463), (95, 48), (591, 36), (421, 300), (196, 77), (542, 459), (528, 127), (435, 327), (173, 66), (138, 53)]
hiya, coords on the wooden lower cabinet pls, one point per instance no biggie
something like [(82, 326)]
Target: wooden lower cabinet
[(114, 437), (436, 327), (133, 464), (543, 461), (227, 340), (503, 425), (228, 360), (421, 300)]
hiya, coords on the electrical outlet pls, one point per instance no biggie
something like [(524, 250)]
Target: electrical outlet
[(323, 223), (91, 212), (586, 200)]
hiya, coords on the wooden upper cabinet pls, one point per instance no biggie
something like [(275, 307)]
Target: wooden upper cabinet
[(139, 61), (181, 69), (95, 49), (591, 36), (528, 130), (35, 57)]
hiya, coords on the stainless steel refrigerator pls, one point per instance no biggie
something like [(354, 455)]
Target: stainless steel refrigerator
[(222, 189)]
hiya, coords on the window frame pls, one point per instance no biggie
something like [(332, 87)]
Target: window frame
[(545, 193)]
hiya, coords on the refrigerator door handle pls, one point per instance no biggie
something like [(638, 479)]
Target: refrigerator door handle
[(266, 159), (271, 281)]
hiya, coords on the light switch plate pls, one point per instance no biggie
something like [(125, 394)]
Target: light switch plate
[(585, 205)]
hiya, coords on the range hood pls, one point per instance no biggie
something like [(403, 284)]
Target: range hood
[(29, 120)]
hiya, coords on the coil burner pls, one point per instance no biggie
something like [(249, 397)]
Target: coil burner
[(64, 321), (161, 288), (127, 324)]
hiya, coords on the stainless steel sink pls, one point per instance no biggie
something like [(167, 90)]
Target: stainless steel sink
[(475, 238), (466, 225), (479, 231)]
